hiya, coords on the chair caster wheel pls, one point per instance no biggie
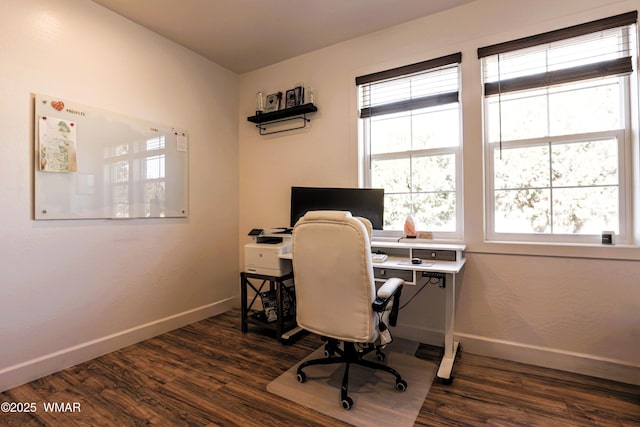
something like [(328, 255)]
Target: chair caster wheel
[(380, 356), (401, 385), (302, 377), (329, 350), (347, 403)]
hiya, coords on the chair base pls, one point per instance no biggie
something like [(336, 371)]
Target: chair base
[(350, 355)]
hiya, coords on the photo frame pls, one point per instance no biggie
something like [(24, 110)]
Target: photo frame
[(273, 103), (294, 97), (290, 98), (299, 90)]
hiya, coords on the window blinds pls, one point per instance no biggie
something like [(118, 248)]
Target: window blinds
[(421, 85), (595, 49)]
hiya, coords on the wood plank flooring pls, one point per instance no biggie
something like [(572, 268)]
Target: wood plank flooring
[(210, 374)]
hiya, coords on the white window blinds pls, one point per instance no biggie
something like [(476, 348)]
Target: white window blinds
[(595, 49), (412, 87)]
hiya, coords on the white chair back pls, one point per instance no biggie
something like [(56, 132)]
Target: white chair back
[(334, 276)]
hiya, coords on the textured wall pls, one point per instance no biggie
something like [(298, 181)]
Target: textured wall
[(66, 284)]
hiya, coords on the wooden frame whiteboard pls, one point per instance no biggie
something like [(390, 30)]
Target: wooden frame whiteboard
[(123, 167)]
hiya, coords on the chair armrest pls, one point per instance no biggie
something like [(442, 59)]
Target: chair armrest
[(390, 288)]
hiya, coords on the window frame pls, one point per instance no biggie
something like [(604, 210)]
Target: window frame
[(367, 157), (627, 146), (623, 184)]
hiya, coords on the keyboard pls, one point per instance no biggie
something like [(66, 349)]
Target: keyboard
[(378, 257)]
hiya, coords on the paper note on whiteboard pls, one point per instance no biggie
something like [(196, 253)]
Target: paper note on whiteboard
[(56, 145), (181, 144)]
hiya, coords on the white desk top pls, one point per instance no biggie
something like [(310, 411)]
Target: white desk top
[(451, 267), (427, 265)]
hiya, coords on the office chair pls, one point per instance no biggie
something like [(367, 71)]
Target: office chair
[(336, 296)]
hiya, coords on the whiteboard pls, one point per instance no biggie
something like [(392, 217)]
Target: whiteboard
[(92, 164)]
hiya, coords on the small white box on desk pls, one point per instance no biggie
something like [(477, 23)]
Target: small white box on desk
[(264, 258)]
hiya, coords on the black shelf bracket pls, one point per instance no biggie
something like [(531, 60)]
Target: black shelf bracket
[(263, 127)]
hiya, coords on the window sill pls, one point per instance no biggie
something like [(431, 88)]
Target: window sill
[(624, 252), (560, 250)]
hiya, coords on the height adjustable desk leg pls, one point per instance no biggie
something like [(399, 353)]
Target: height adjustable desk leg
[(450, 346)]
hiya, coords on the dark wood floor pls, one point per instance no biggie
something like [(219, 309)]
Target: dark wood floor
[(209, 373)]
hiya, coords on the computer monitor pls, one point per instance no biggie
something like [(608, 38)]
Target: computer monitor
[(364, 202)]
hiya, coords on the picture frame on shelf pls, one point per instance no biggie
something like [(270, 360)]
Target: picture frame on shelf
[(299, 90), (295, 97), (290, 98), (273, 102)]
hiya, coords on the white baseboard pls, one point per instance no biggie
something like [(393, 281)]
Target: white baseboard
[(579, 363), (39, 367), (421, 335)]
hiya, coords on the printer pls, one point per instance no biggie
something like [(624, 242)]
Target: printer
[(264, 258)]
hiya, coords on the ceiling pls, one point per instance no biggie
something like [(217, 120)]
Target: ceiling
[(244, 35)]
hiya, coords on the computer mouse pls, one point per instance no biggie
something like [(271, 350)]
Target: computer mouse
[(416, 261)]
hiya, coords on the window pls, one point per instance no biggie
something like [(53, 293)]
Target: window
[(558, 133), (410, 135)]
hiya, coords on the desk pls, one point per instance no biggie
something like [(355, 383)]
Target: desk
[(439, 260)]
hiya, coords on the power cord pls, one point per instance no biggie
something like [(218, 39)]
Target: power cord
[(428, 282)]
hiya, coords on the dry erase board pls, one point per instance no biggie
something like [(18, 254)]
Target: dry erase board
[(91, 163)]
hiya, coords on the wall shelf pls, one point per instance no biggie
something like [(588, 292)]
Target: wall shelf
[(298, 113)]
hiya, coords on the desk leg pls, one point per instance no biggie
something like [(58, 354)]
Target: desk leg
[(450, 346)]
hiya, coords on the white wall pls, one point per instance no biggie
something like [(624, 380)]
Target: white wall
[(568, 307), (70, 290)]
